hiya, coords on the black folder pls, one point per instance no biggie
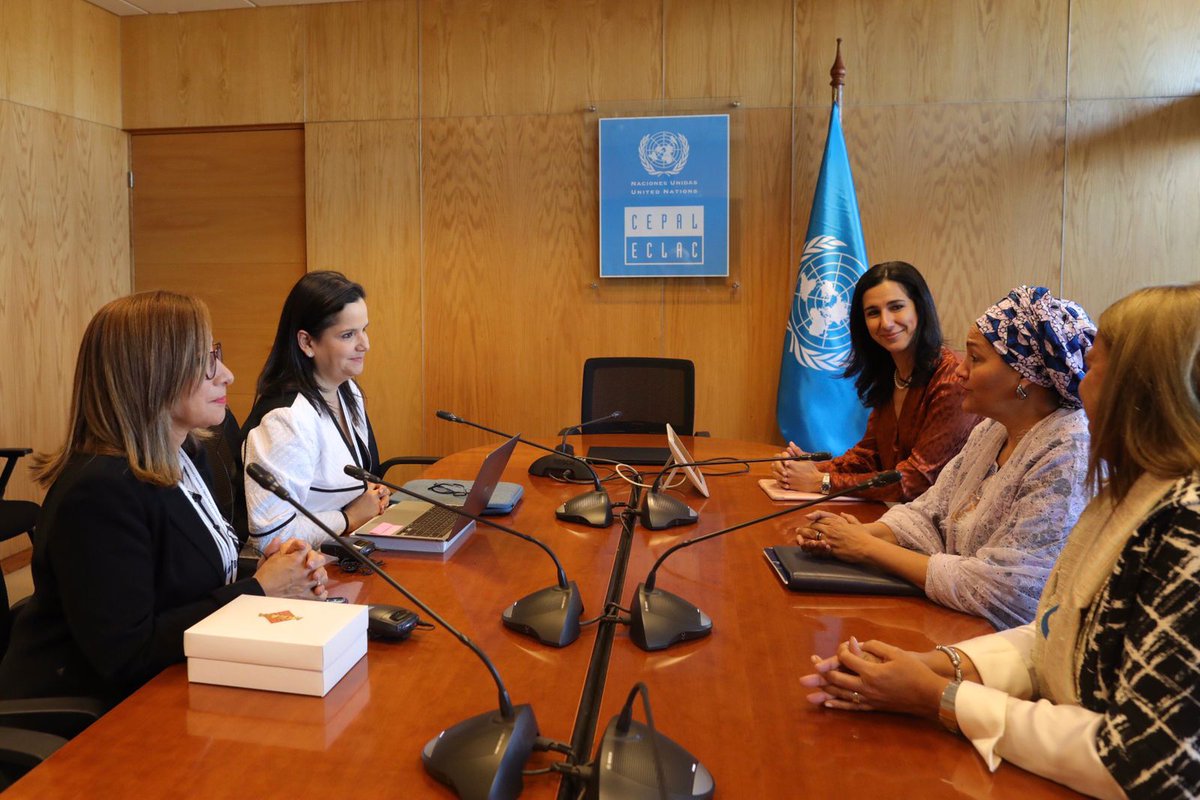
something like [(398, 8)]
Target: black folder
[(802, 572)]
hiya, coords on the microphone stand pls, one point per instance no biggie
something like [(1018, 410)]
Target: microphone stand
[(547, 464), (661, 511), (480, 757), (550, 615), (660, 619), (592, 508)]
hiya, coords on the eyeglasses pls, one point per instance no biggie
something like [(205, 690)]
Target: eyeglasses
[(214, 356)]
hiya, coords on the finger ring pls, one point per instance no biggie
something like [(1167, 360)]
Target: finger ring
[(820, 535), (856, 697)]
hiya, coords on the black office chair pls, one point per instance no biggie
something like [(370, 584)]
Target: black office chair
[(649, 393), (30, 730), (16, 517)]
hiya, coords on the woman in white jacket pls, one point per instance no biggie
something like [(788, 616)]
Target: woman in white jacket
[(1102, 690), (309, 420)]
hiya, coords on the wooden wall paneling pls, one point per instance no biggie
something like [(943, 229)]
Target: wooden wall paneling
[(729, 48), (1133, 190), (364, 219), (362, 60), (63, 56), (537, 56), (969, 194), (96, 64), (511, 252), (221, 215), (735, 335), (63, 253), (926, 51), (19, 282), (213, 68), (1122, 49)]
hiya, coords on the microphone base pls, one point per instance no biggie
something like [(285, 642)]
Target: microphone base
[(557, 465), (481, 758), (551, 615), (593, 509), (625, 767), (662, 511), (660, 619)]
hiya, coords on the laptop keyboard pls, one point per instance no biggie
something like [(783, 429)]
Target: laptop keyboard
[(436, 523)]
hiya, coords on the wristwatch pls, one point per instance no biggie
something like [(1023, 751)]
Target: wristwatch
[(826, 485), (946, 713)]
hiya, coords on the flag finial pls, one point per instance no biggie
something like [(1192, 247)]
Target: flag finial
[(837, 74)]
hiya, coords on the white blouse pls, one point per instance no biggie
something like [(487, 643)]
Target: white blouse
[(196, 491), (306, 450)]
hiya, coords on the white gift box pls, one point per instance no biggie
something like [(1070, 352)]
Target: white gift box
[(297, 646)]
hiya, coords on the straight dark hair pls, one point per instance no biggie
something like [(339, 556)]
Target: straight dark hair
[(870, 364), (311, 306)]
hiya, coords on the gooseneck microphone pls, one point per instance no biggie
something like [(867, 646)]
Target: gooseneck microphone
[(660, 511), (636, 762), (564, 447), (660, 619), (592, 508), (550, 615), (480, 757)]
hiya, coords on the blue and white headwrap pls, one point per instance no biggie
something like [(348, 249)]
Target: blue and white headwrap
[(1042, 337)]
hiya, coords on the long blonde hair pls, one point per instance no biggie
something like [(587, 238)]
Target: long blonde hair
[(138, 356), (1148, 416)]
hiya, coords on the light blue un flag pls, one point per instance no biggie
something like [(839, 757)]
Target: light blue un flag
[(817, 408)]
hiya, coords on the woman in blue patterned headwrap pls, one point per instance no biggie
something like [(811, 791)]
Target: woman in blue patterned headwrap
[(983, 538)]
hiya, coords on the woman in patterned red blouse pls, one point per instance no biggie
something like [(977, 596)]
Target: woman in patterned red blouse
[(905, 375)]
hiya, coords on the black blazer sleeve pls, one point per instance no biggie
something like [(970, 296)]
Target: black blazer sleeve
[(125, 567)]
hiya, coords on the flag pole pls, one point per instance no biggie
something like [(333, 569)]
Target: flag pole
[(837, 74)]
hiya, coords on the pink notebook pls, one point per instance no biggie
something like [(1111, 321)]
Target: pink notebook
[(772, 489)]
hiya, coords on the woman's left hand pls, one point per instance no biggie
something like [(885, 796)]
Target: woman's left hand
[(876, 676), (841, 536)]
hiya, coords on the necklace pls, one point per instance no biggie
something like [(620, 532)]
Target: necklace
[(901, 383)]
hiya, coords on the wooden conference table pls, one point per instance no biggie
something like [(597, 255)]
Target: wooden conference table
[(733, 699)]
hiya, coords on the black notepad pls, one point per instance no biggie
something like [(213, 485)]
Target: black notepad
[(801, 572)]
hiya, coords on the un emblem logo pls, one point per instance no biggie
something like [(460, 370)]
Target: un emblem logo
[(663, 153), (819, 325)]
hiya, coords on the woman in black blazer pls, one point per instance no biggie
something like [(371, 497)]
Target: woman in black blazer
[(131, 548)]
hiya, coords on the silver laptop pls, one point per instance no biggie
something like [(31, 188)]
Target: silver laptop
[(419, 527)]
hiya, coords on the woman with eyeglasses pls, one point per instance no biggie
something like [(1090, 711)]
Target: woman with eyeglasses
[(906, 375), (1101, 691), (131, 548), (309, 419)]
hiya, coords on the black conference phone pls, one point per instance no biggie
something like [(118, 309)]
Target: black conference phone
[(390, 623)]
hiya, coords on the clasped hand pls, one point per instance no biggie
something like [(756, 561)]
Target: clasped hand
[(291, 568), (368, 505), (841, 536), (874, 676), (800, 476)]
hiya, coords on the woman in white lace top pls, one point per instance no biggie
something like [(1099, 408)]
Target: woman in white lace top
[(983, 538)]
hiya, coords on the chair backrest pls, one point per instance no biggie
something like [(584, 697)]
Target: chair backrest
[(649, 393)]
